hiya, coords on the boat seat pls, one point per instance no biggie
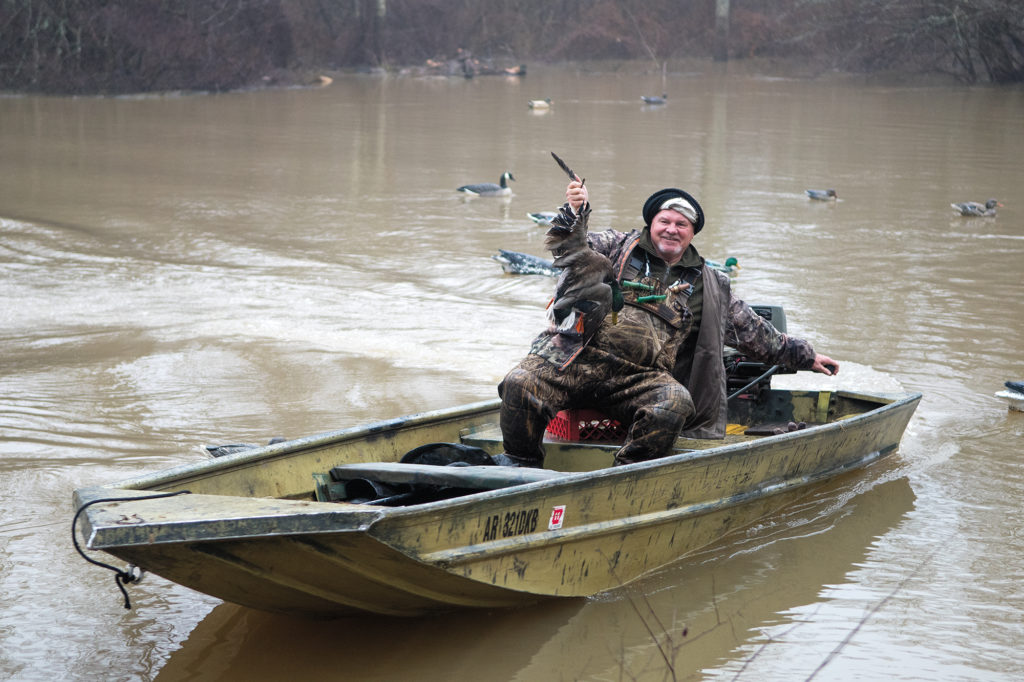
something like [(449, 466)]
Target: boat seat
[(469, 477)]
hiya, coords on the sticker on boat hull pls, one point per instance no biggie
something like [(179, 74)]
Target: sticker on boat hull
[(557, 516)]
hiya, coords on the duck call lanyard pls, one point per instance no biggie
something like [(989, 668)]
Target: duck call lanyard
[(641, 289)]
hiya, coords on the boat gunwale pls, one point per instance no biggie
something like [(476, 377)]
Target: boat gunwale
[(554, 485), (181, 474)]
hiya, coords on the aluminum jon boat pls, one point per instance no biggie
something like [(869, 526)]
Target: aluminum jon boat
[(407, 516)]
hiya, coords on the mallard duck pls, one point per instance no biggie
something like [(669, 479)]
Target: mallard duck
[(543, 218), (821, 194), (1014, 395), (587, 289), (655, 99), (540, 103), (515, 263), (974, 209), (489, 189), (730, 265)]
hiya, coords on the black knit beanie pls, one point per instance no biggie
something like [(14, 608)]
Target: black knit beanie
[(654, 202)]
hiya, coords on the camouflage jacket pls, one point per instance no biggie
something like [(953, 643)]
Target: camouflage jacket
[(651, 334), (649, 329)]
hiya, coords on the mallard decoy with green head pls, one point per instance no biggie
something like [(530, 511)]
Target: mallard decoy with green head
[(489, 189), (730, 265), (972, 209)]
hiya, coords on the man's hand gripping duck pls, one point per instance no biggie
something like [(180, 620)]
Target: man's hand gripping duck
[(587, 289)]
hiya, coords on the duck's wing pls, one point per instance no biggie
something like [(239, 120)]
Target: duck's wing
[(568, 231)]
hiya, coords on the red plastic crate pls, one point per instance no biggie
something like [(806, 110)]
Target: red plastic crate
[(586, 425)]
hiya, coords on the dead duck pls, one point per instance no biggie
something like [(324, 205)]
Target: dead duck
[(490, 189), (586, 290), (972, 209), (821, 194)]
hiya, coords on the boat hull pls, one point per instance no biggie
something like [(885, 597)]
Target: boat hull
[(249, 531)]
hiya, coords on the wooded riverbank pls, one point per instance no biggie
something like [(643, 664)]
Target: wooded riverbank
[(118, 46)]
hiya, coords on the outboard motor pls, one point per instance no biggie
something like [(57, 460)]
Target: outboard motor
[(740, 371)]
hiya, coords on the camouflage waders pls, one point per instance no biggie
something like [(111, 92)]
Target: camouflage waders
[(653, 403)]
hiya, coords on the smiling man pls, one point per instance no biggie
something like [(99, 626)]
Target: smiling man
[(659, 369)]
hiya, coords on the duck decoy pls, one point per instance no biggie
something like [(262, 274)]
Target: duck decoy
[(540, 103), (542, 218), (232, 448), (586, 290), (655, 99), (515, 263), (730, 265), (974, 209), (821, 194), (1013, 395), (489, 189)]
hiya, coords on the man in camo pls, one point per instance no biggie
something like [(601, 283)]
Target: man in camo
[(659, 370)]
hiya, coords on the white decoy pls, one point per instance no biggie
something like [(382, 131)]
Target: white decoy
[(516, 263), (542, 218), (489, 189), (654, 99), (821, 194), (1013, 395), (540, 103), (974, 209)]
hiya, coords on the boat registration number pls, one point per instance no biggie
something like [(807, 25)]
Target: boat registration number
[(510, 524)]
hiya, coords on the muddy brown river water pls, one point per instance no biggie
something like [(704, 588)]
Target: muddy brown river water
[(184, 270)]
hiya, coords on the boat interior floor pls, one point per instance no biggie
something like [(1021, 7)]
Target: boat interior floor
[(440, 471)]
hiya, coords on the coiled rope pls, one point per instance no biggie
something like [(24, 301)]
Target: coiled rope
[(121, 577)]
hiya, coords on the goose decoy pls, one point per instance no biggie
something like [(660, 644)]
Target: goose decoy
[(586, 290), (543, 218), (1013, 395), (821, 194), (489, 189), (974, 209), (730, 265), (654, 99), (515, 263), (540, 103), (232, 448)]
